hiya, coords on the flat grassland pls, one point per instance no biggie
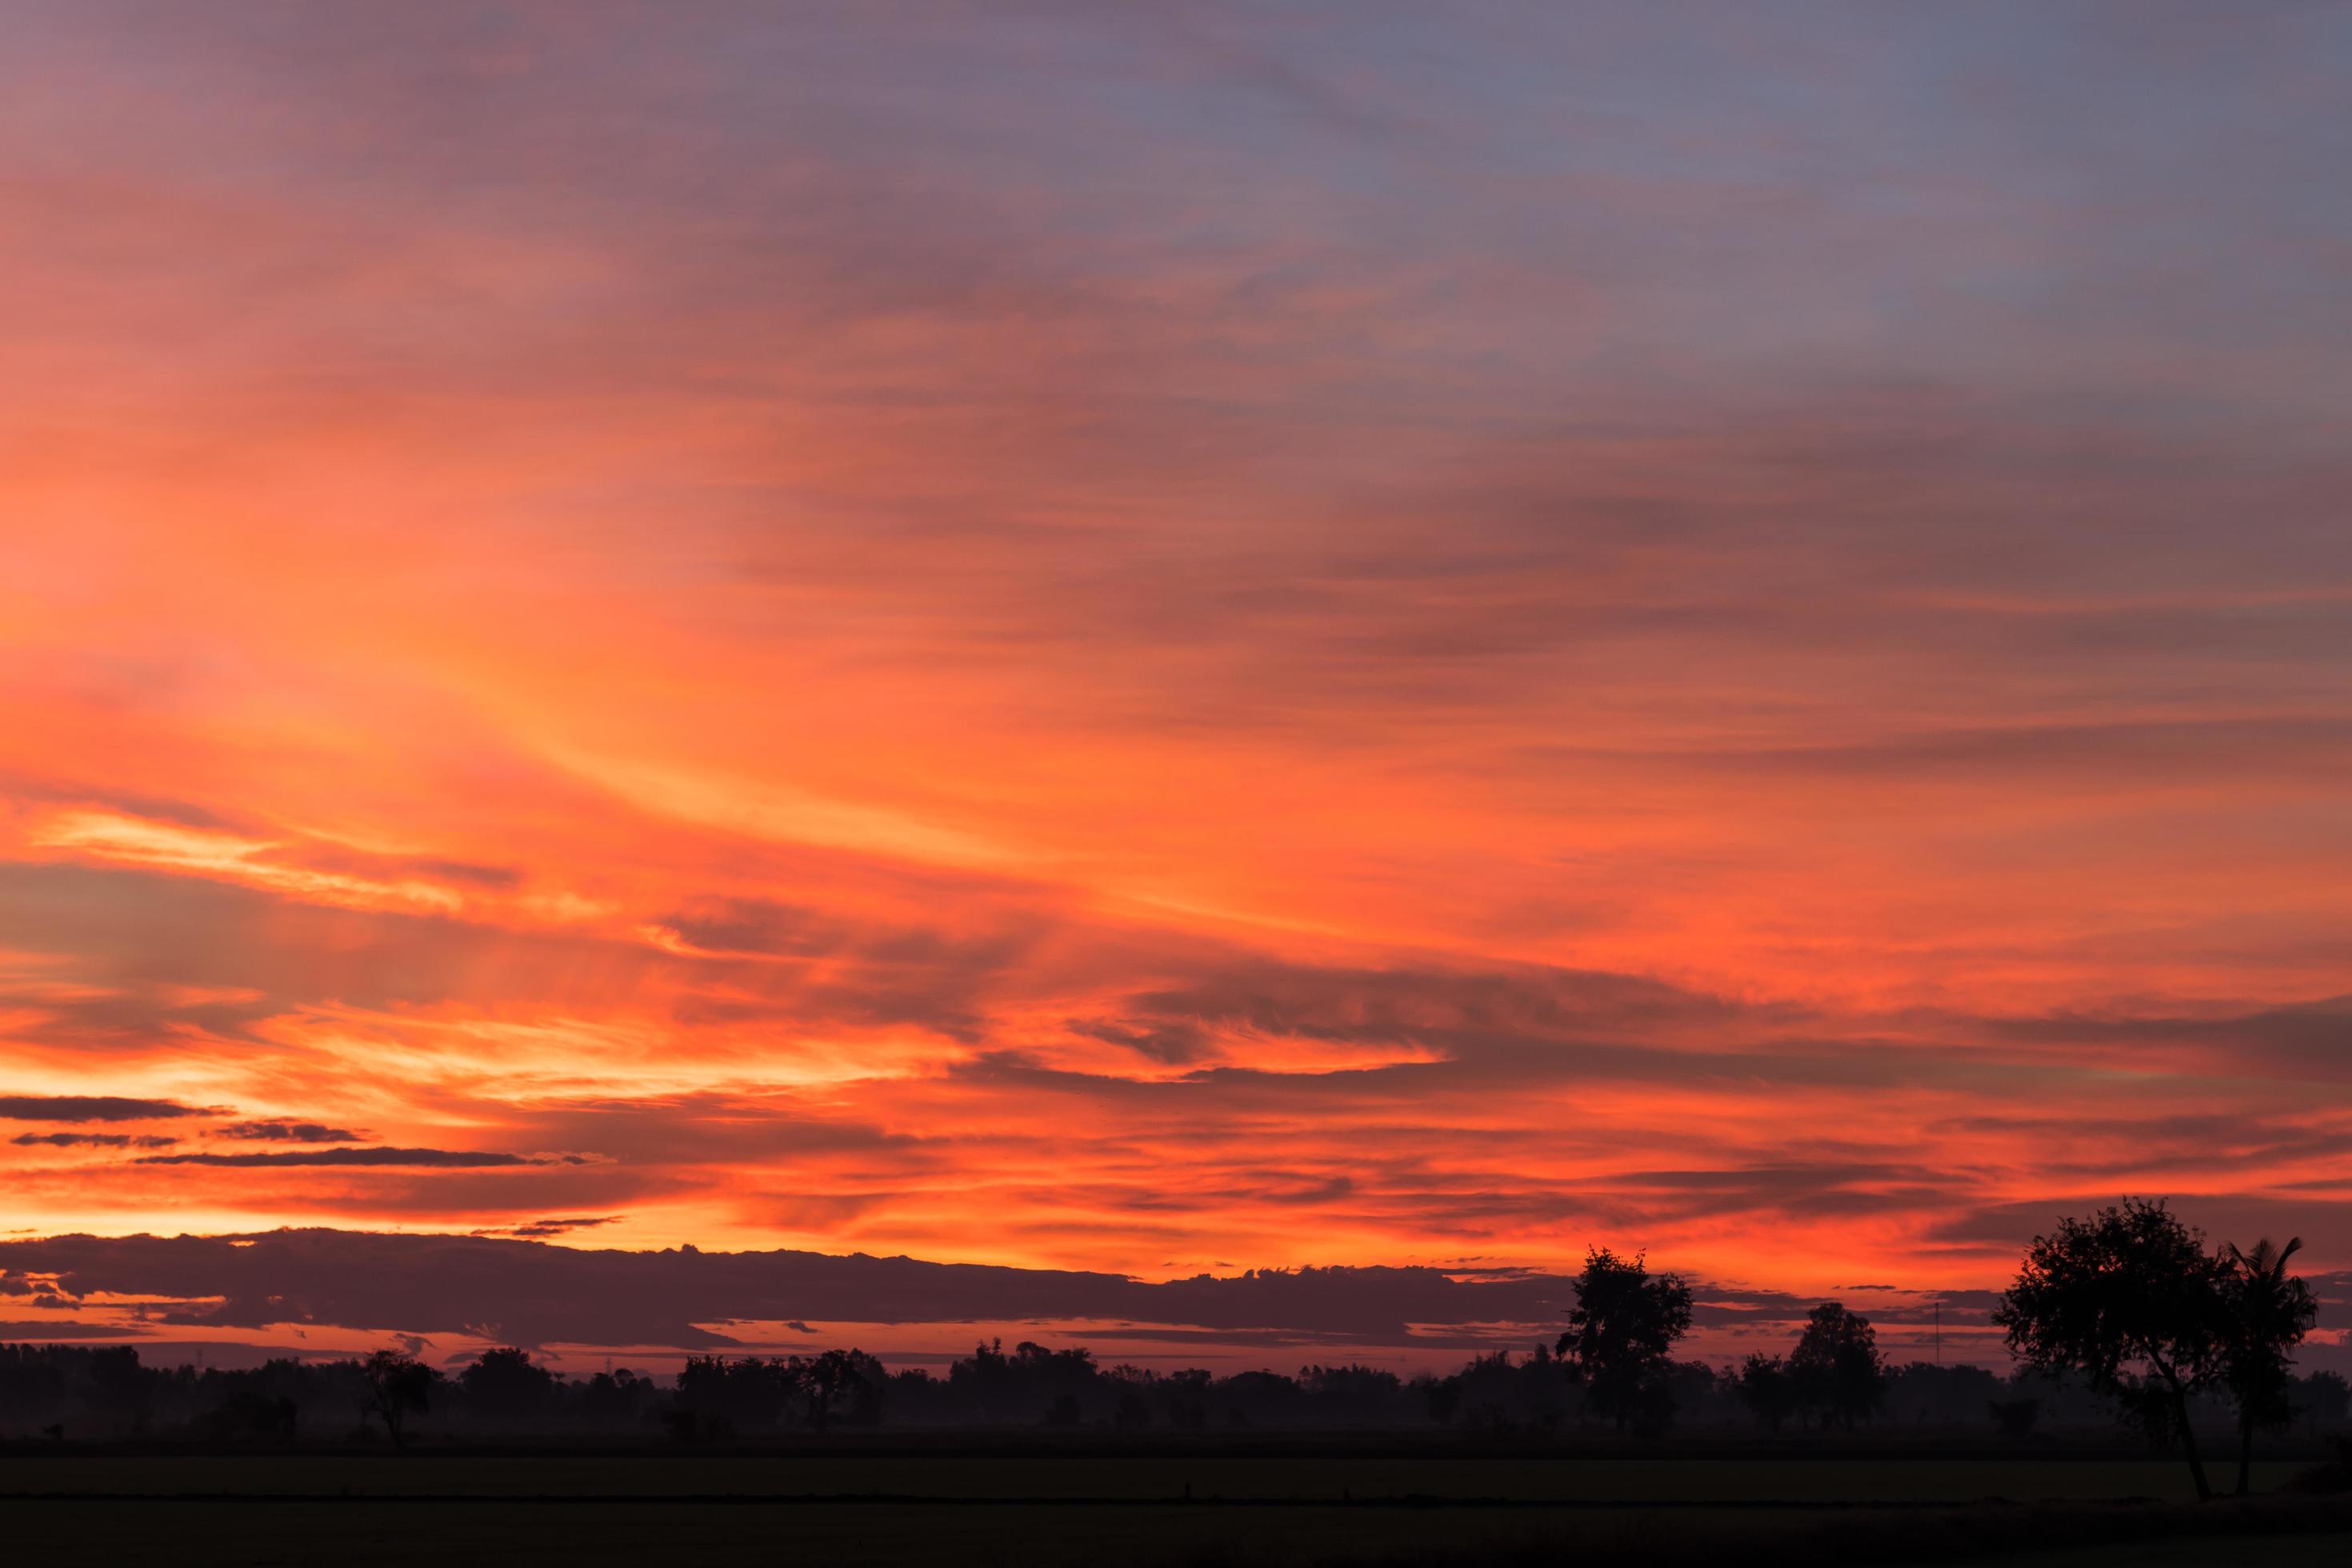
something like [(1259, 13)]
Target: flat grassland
[(1140, 1508)]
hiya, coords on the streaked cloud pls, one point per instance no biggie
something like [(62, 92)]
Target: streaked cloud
[(452, 1159), (91, 1108), (1141, 649), (288, 1133)]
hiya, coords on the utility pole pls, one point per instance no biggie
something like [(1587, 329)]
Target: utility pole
[(1939, 1330)]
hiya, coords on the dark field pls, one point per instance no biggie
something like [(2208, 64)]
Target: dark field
[(1255, 1478), (1130, 1508), (564, 1531)]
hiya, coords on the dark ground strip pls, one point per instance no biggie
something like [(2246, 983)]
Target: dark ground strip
[(1163, 1499)]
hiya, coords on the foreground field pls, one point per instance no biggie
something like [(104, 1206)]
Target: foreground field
[(1065, 1509), (576, 1532), (1159, 1477)]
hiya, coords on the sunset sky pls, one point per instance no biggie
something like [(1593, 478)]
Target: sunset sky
[(1162, 641)]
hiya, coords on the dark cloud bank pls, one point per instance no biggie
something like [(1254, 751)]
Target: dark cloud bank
[(444, 1159), (91, 1141), (535, 1294), (90, 1107), (288, 1133)]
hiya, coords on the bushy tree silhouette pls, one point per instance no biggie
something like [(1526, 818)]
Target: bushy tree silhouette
[(1836, 1368), (396, 1385), (615, 1399), (834, 1378), (720, 1399), (120, 1389), (1621, 1335), (503, 1387), (2129, 1299), (1766, 1389)]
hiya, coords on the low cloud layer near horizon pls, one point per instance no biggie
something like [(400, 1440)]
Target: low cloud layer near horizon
[(458, 1292)]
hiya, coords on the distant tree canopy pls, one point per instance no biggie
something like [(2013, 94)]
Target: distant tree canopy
[(1767, 1390), (719, 1397), (100, 1393), (1026, 1384), (1836, 1372), (1621, 1334), (837, 1379), (396, 1385), (504, 1387)]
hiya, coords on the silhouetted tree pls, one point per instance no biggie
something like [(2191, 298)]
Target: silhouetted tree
[(32, 1381), (1622, 1333), (1254, 1397), (1352, 1394), (2130, 1290), (397, 1384), (1688, 1385), (717, 1398), (2268, 1312), (120, 1390), (1495, 1395), (503, 1387), (1835, 1367), (615, 1399), (1025, 1384), (1766, 1389), (991, 1382), (836, 1377), (1188, 1396)]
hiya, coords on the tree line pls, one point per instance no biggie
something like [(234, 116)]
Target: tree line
[(108, 1394), (2124, 1315), (2131, 1302)]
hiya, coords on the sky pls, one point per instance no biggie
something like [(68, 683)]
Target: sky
[(1156, 641)]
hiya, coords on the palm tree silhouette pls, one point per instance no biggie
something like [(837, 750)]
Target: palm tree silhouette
[(2272, 1313)]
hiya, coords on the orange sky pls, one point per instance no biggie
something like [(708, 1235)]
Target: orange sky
[(1108, 645)]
